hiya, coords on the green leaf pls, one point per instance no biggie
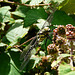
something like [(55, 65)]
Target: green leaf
[(42, 53), (2, 44), (14, 63), (35, 2), (69, 7), (71, 73), (33, 15), (54, 63), (65, 69), (1, 17), (13, 70), (4, 64), (37, 59), (32, 62), (47, 73), (17, 1), (3, 26), (63, 56), (5, 15), (16, 31), (63, 4), (21, 11), (59, 59), (61, 18)]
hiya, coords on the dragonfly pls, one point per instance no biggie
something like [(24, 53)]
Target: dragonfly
[(41, 35)]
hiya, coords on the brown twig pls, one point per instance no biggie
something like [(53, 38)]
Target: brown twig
[(17, 3), (24, 42)]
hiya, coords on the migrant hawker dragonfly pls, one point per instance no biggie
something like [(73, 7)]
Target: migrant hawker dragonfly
[(41, 35)]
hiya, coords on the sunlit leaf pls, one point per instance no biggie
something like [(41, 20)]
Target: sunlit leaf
[(63, 56), (32, 62), (59, 59), (71, 73), (40, 23), (16, 31), (2, 44), (65, 69), (35, 2), (59, 1), (18, 14), (47, 73), (15, 49), (24, 1), (21, 11), (5, 15), (3, 26), (46, 1), (37, 59), (41, 53), (55, 63)]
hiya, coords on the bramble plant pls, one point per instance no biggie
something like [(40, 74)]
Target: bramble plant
[(41, 32)]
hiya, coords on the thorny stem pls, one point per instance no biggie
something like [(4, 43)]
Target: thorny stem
[(71, 52), (17, 3)]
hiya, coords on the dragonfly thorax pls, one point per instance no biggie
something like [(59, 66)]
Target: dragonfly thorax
[(43, 34)]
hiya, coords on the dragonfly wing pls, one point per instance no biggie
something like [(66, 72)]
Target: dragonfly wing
[(48, 21), (50, 17), (27, 49), (25, 62), (24, 52), (26, 57)]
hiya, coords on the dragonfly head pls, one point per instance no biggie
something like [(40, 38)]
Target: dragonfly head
[(44, 30), (47, 29)]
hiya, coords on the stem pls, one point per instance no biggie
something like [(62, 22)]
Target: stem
[(37, 51), (17, 3), (24, 42), (71, 57)]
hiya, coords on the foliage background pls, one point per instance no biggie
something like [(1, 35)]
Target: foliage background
[(15, 22)]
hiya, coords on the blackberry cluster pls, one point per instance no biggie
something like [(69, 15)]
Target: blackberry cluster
[(70, 33), (63, 38)]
